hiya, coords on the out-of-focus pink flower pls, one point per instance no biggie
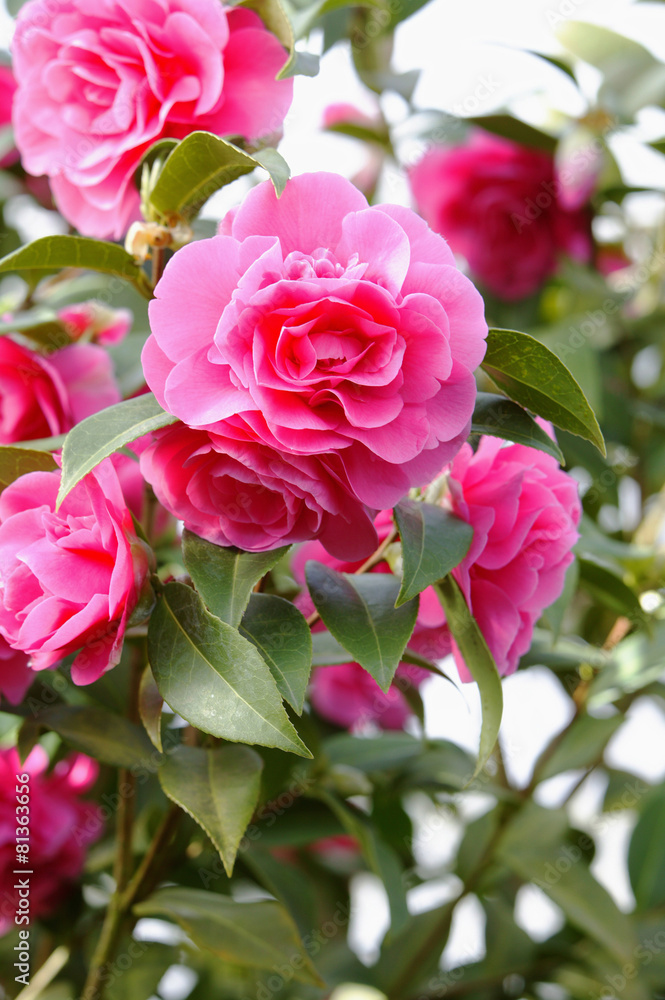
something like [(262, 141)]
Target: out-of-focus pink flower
[(524, 511), (69, 580), (579, 160), (333, 329), (499, 205), (59, 823), (99, 84), (41, 397), (7, 91), (96, 322), (15, 674), (350, 697)]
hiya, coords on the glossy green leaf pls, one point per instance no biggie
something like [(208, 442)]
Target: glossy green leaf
[(360, 612), (15, 462), (253, 935), (213, 677), (284, 640), (534, 377), (202, 164), (433, 543), (582, 745), (536, 846), (54, 253), (646, 857), (150, 708), (104, 433), (219, 788), (479, 661), (107, 737), (503, 418), (225, 577)]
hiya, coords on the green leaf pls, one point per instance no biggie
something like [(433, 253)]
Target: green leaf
[(646, 858), (107, 737), (533, 376), (479, 661), (104, 433), (275, 164), (28, 737), (225, 577), (360, 612), (433, 543), (503, 418), (284, 640), (582, 745), (380, 857), (512, 128), (202, 164), (213, 677), (219, 788), (411, 956), (253, 935), (536, 847), (609, 589), (275, 18), (15, 462), (379, 753), (54, 253), (150, 708), (39, 325)]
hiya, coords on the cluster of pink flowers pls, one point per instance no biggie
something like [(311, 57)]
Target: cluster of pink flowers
[(524, 511), (502, 206), (328, 368), (61, 826)]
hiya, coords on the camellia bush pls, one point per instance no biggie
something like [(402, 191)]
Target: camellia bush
[(263, 478)]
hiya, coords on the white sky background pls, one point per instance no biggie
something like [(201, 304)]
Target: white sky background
[(457, 46)]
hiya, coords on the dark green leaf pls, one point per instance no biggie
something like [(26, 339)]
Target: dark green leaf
[(380, 753), (479, 661), (533, 376), (104, 433), (512, 128), (105, 736), (283, 638), (225, 577), (253, 935), (28, 737), (54, 253), (150, 708), (582, 745), (609, 589), (202, 164), (380, 857), (433, 543), (360, 612), (15, 462), (219, 788), (503, 418), (411, 956), (213, 677), (646, 857)]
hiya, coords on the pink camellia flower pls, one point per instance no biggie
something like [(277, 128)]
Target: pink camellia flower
[(524, 511), (350, 697), (96, 321), (61, 825), (7, 91), (40, 397), (98, 84), (15, 674), (334, 329), (72, 579), (498, 204), (234, 490)]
